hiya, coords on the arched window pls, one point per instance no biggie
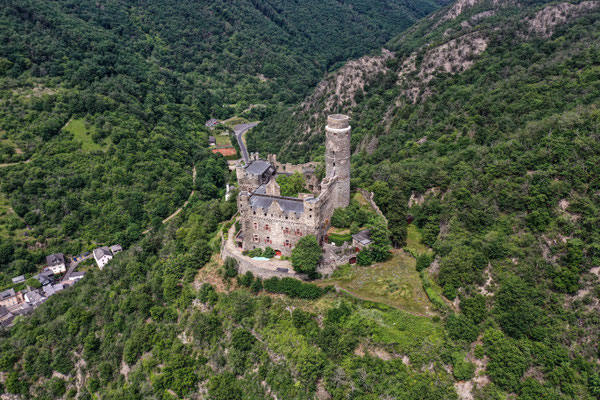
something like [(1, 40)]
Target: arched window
[(268, 240), (286, 230), (266, 227), (298, 232), (287, 244), (256, 239), (255, 225)]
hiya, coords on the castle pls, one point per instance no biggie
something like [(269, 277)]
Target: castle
[(271, 220)]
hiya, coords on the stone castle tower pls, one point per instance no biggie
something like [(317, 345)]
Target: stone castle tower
[(337, 158)]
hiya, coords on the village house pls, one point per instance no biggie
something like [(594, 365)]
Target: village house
[(10, 298), (18, 279), (45, 278), (76, 276), (212, 141), (34, 298), (6, 317), (56, 263), (116, 248), (102, 255)]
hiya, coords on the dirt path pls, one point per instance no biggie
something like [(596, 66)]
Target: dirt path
[(170, 217), (15, 163)]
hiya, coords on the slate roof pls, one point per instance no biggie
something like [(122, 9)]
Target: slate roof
[(287, 204), (77, 275), (7, 294), (45, 278), (262, 189), (101, 252), (18, 279), (115, 248), (211, 122), (363, 237), (258, 167), (211, 139), (55, 259), (3, 311), (34, 297)]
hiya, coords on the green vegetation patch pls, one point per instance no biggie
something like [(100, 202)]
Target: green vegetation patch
[(83, 133), (394, 282)]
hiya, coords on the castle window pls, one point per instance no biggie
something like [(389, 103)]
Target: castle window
[(254, 212), (287, 244), (268, 240), (298, 232), (286, 230), (256, 239), (255, 225), (266, 227)]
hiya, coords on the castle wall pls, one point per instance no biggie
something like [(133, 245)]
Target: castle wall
[(273, 227)]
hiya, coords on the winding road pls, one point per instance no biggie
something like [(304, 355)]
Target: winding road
[(239, 131)]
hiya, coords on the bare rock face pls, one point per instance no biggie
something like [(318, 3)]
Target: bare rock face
[(454, 56), (341, 87), (453, 12), (545, 20)]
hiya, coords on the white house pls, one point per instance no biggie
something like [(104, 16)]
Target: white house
[(56, 263), (102, 255), (76, 276)]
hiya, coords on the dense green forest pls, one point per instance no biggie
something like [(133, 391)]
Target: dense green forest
[(107, 102), (501, 164), (497, 159)]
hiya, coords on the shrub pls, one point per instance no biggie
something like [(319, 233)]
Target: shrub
[(423, 261), (293, 288), (268, 252)]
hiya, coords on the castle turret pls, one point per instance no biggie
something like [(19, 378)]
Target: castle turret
[(337, 158)]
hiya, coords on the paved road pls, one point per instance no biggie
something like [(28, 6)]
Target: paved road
[(72, 266), (239, 130)]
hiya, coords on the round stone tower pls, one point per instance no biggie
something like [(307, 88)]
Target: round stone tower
[(337, 158)]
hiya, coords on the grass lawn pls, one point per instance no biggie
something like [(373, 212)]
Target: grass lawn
[(231, 122), (83, 134), (413, 240), (395, 283), (223, 140)]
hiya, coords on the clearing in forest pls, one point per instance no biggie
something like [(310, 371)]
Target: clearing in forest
[(395, 282), (82, 132)]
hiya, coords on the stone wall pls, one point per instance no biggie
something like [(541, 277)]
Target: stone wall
[(369, 196)]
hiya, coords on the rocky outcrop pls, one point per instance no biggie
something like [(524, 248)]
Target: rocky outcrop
[(340, 88), (548, 18)]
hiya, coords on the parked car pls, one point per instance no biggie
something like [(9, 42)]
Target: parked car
[(74, 258)]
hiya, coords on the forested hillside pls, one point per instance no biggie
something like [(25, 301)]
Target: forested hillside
[(485, 118), (106, 101)]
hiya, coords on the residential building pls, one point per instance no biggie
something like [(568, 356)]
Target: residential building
[(10, 298), (18, 279), (116, 248), (76, 276), (56, 263), (212, 141), (102, 255)]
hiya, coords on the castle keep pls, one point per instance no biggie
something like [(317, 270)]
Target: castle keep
[(271, 220)]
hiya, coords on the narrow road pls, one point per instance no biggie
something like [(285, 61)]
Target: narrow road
[(239, 130), (170, 217), (72, 266)]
